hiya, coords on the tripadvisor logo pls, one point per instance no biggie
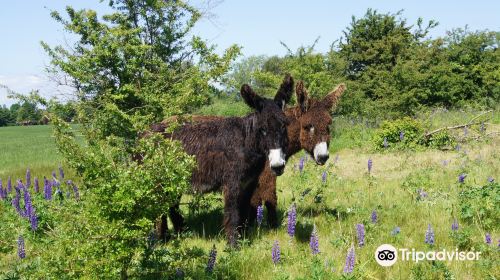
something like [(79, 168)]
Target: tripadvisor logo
[(387, 255)]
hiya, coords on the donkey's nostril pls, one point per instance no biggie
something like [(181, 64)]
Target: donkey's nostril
[(323, 158)]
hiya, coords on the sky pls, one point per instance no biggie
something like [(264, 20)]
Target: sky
[(258, 26)]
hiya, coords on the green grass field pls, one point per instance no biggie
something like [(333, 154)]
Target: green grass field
[(348, 197)]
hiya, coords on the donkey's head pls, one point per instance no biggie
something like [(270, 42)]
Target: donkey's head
[(270, 122), (315, 120)]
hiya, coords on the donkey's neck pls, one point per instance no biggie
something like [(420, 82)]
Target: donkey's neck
[(293, 130)]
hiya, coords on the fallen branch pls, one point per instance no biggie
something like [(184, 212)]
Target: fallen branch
[(469, 123)]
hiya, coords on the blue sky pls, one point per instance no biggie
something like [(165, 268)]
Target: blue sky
[(258, 26)]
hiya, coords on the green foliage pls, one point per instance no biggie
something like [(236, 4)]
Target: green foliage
[(129, 68), (481, 205), (440, 140), (410, 130), (462, 239)]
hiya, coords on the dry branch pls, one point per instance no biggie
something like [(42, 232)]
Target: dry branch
[(469, 123)]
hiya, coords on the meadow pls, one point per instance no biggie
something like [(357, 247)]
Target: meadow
[(406, 189)]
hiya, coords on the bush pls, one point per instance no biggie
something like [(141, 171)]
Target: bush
[(440, 140), (481, 205), (400, 133)]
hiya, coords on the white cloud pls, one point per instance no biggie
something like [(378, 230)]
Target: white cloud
[(25, 83)]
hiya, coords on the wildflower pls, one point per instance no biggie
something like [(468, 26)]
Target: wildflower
[(54, 176), (28, 206), (396, 231), (61, 173), (47, 189), (16, 202), (483, 128), (429, 235), (350, 260), (2, 194), (360, 230), (20, 247), (487, 238), (211, 259), (28, 178), (401, 135), (385, 143), (33, 220), (301, 164), (314, 242), (445, 162), (457, 147), (490, 179), (370, 164), (374, 216), (292, 220), (461, 178), (9, 185), (276, 253), (260, 214), (37, 186), (323, 177), (422, 194), (454, 226)]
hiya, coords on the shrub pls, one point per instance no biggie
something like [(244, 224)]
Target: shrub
[(400, 133)]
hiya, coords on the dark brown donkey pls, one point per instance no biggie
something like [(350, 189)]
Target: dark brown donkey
[(308, 129), (232, 152)]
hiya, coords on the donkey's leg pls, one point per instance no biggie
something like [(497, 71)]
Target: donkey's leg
[(231, 211), (162, 228), (176, 217), (266, 192)]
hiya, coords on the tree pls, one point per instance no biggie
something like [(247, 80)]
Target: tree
[(133, 67)]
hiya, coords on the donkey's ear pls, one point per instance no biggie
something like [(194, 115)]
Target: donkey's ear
[(330, 100), (302, 97), (284, 93), (251, 98)]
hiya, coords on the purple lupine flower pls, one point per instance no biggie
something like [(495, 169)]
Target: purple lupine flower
[(445, 162), (33, 220), (461, 178), (77, 193), (374, 217), (487, 238), (9, 185), (401, 135), (385, 143), (483, 128), (211, 259), (301, 164), (16, 202), (260, 214), (457, 147), (370, 164), (54, 176), (37, 186), (47, 189), (314, 241), (422, 194), (490, 179), (276, 252), (28, 206), (28, 178), (429, 235), (454, 226), (323, 177), (20, 247), (61, 173), (350, 260), (292, 220), (2, 194), (360, 231), (396, 231)]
